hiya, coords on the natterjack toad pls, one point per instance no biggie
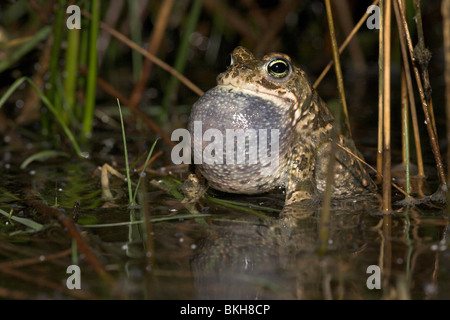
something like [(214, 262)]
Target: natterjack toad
[(279, 133)]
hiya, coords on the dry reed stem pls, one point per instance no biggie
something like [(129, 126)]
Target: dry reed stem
[(410, 93), (67, 223), (337, 66), (429, 122), (387, 109), (149, 245), (380, 95), (374, 170), (35, 260), (405, 126), (446, 26), (344, 14), (153, 46), (151, 57), (343, 46), (412, 104), (105, 86)]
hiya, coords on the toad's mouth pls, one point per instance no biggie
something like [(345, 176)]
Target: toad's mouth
[(280, 97)]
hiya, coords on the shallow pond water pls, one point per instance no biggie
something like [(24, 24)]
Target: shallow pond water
[(234, 248)]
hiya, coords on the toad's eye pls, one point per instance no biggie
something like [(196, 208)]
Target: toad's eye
[(278, 68), (230, 60)]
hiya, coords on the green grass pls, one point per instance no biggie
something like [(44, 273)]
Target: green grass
[(132, 197), (26, 222), (91, 83), (48, 104)]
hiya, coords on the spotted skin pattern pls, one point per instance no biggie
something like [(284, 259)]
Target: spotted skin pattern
[(271, 93)]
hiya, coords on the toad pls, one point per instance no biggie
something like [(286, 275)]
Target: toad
[(263, 126)]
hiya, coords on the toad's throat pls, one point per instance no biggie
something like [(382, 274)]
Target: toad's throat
[(241, 141)]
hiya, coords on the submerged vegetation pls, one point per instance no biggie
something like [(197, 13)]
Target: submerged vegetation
[(91, 91)]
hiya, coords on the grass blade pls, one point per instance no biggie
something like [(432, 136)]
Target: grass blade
[(143, 170), (25, 48), (42, 156), (127, 166), (26, 222), (49, 105)]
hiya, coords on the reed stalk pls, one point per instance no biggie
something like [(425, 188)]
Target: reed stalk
[(446, 26), (405, 130), (51, 93), (325, 212), (58, 28), (426, 110), (88, 115), (337, 67), (412, 104), (344, 45), (71, 67), (83, 57), (380, 94), (386, 207)]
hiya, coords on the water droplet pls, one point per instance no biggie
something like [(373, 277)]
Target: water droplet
[(430, 289), (181, 240), (85, 154), (20, 104), (193, 246), (41, 258)]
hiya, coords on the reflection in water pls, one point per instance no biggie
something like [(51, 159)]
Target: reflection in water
[(231, 254), (245, 257)]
